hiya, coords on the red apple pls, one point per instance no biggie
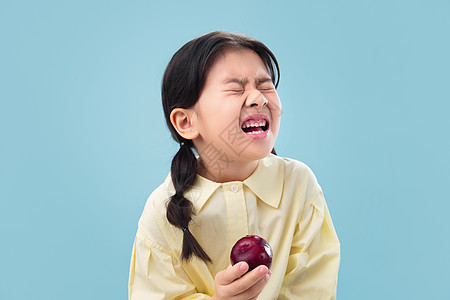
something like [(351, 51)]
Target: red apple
[(252, 249)]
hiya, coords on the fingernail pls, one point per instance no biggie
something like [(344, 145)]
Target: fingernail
[(263, 270), (242, 267)]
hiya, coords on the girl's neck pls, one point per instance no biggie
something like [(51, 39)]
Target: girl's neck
[(223, 171)]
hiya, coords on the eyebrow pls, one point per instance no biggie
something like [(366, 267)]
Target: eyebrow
[(244, 81), (261, 80), (239, 81)]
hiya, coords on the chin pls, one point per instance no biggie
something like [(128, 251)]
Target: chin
[(253, 152)]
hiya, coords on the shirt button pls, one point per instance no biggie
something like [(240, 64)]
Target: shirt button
[(234, 188)]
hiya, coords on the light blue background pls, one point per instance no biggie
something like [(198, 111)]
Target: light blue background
[(365, 91)]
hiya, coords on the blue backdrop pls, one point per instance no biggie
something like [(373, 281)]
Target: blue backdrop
[(365, 92)]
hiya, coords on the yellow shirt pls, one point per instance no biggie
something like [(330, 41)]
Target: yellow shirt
[(281, 202)]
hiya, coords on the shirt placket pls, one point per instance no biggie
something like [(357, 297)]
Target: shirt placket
[(236, 212)]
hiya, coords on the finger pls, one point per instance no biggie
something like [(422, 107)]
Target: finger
[(232, 273), (256, 289), (255, 297), (251, 279)]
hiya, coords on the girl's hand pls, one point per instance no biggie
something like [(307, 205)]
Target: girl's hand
[(232, 284)]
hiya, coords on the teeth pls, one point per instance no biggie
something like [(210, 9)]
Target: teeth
[(263, 123), (255, 132)]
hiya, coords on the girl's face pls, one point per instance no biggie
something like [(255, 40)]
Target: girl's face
[(238, 112)]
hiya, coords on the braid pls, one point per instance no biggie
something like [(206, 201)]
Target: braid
[(179, 208)]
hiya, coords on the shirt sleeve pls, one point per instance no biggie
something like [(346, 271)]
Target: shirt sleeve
[(154, 274), (314, 258)]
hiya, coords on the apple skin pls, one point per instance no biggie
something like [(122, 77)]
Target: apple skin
[(252, 249)]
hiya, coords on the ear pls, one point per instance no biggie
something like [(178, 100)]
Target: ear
[(181, 120)]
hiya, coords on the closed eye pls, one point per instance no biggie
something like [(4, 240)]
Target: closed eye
[(266, 86), (235, 91)]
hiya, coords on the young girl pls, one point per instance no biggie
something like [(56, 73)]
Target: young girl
[(219, 98)]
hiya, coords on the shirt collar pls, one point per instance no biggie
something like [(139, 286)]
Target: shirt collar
[(266, 182)]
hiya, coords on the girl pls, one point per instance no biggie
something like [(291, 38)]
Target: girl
[(219, 98)]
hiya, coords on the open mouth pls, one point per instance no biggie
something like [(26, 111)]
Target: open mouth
[(255, 126)]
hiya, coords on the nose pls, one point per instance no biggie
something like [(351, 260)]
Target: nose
[(256, 99)]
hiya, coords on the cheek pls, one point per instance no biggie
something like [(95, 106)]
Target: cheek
[(214, 122), (277, 106), (276, 111)]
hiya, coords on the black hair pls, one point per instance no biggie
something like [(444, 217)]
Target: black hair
[(182, 83)]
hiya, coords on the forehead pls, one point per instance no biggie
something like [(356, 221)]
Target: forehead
[(237, 63)]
